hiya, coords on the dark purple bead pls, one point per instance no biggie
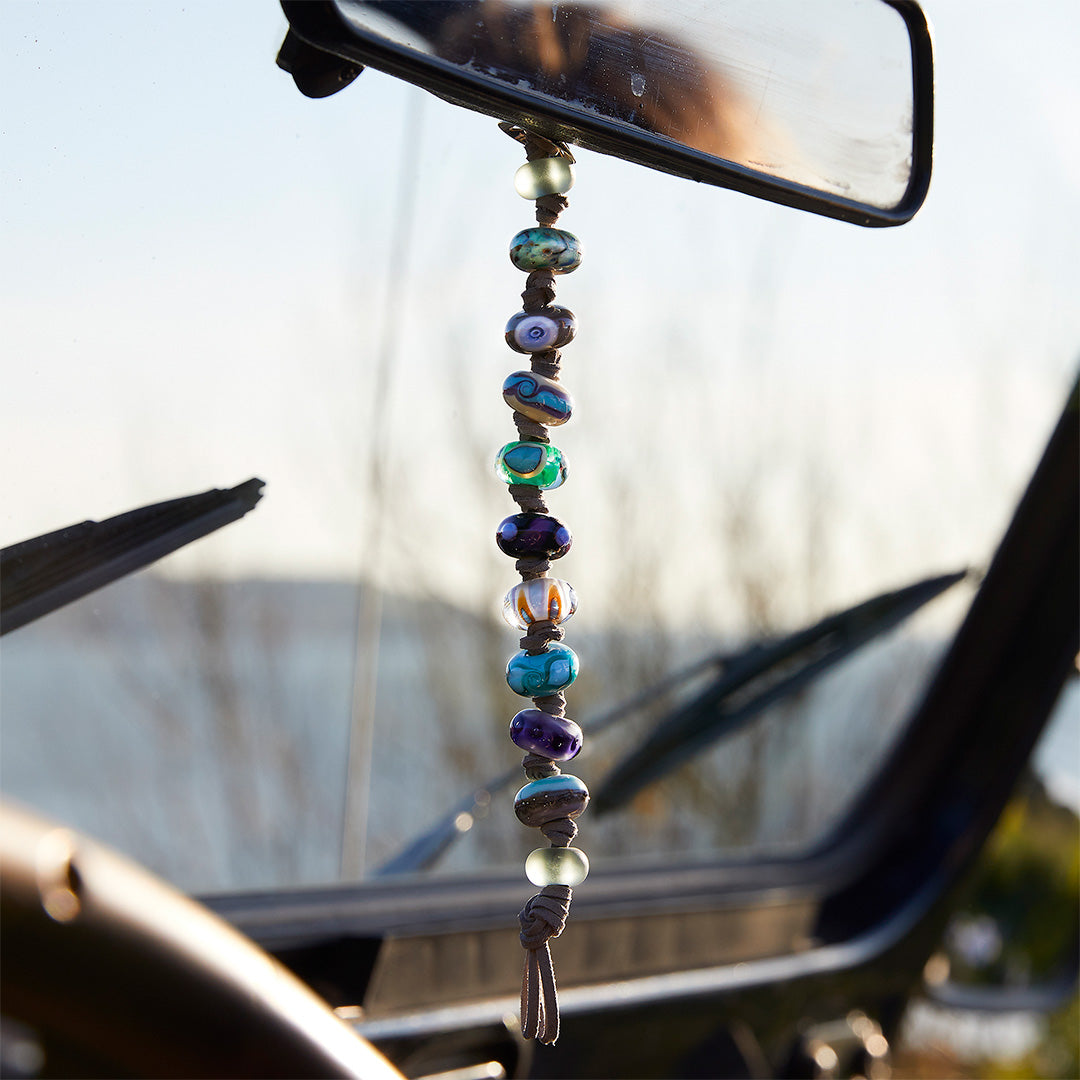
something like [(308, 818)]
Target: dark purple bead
[(520, 535), (549, 736)]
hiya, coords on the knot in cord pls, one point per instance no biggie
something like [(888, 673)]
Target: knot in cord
[(539, 290), (560, 832), (529, 498), (552, 703), (544, 915), (530, 430), (532, 566), (537, 767), (540, 633), (542, 918)]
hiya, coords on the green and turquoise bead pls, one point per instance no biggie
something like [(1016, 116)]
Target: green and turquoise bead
[(540, 465), (546, 249), (541, 674)]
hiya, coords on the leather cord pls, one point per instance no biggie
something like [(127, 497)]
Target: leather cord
[(544, 915)]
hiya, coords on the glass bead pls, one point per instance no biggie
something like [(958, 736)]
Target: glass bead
[(535, 331), (546, 249), (557, 866), (538, 464), (537, 397), (521, 535), (538, 600), (543, 673), (538, 732), (549, 799), (544, 176)]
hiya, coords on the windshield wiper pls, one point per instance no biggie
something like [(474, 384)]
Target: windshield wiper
[(40, 575), (746, 682), (758, 678)]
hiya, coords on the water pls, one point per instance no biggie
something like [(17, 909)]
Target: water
[(204, 731)]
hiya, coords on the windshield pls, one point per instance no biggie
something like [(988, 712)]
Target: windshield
[(210, 278)]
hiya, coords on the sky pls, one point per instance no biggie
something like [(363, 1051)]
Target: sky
[(207, 277)]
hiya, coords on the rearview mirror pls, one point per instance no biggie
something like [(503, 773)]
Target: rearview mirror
[(823, 105)]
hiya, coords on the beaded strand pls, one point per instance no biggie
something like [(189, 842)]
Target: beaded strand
[(541, 604)]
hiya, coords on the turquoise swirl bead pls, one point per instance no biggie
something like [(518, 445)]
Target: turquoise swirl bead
[(543, 673), (557, 866), (546, 249), (537, 397), (538, 464)]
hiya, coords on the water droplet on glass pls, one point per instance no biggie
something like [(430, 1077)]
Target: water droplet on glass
[(637, 84)]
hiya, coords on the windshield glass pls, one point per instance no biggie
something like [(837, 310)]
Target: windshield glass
[(209, 277)]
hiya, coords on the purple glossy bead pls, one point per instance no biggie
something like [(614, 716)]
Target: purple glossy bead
[(536, 331), (521, 535), (553, 737)]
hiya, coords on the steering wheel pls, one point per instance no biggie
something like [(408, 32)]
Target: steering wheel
[(109, 971)]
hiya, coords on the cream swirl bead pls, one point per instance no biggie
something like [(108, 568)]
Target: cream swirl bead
[(539, 600)]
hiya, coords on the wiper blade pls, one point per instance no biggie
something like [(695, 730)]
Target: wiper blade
[(40, 575), (755, 679), (765, 672)]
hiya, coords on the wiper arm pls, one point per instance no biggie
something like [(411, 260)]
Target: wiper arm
[(755, 679), (426, 850), (39, 575)]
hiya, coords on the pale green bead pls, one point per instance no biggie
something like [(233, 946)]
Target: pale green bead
[(557, 866), (545, 176)]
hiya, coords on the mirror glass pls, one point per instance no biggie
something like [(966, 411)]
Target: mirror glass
[(813, 92)]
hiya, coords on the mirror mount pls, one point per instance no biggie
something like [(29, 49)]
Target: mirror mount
[(317, 74)]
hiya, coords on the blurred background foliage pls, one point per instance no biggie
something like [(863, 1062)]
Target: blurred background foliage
[(1016, 926)]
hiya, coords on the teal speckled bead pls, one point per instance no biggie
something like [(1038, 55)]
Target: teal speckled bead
[(544, 176), (546, 249), (543, 673), (557, 866), (549, 799), (538, 464)]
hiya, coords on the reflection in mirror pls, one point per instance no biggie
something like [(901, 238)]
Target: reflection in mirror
[(814, 92)]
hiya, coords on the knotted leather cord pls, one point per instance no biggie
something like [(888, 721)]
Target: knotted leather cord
[(544, 915)]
